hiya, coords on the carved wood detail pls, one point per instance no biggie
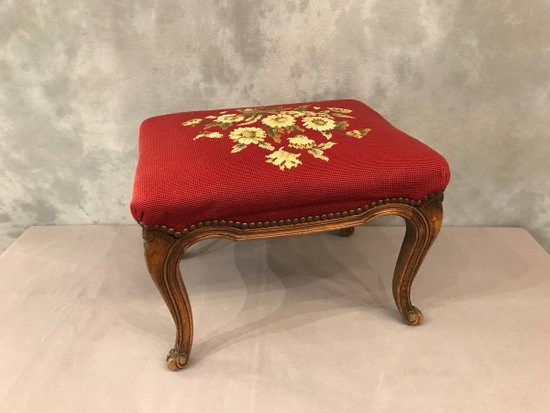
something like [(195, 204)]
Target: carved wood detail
[(163, 251), (162, 255)]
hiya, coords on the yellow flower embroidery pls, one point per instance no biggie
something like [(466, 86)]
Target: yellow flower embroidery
[(229, 118), (212, 135), (319, 123), (280, 125), (301, 142), (283, 159), (248, 136), (280, 120), (358, 133), (192, 122)]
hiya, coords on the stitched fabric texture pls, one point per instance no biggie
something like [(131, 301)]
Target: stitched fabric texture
[(187, 173)]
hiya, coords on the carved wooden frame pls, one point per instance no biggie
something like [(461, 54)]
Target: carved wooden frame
[(165, 247)]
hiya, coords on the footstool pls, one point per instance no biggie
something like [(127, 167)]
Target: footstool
[(276, 171)]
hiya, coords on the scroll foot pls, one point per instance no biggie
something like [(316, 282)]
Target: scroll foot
[(176, 360), (414, 317)]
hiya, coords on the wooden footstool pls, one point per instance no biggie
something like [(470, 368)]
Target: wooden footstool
[(275, 171)]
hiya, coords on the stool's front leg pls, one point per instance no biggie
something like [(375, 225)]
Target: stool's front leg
[(422, 229), (162, 255)]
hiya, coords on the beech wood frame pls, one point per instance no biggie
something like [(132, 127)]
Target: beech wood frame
[(164, 249)]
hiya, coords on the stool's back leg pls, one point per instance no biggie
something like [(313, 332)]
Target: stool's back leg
[(421, 231), (347, 232), (162, 255)]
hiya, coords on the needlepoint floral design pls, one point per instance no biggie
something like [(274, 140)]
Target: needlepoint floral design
[(285, 132), (284, 159)]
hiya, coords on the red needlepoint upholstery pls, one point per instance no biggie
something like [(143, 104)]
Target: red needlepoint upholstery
[(276, 162)]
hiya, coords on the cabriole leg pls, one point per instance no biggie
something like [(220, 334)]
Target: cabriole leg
[(162, 255), (421, 231)]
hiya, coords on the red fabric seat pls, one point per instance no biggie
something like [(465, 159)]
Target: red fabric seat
[(276, 162)]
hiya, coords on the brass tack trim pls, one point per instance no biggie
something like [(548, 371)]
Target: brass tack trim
[(289, 221)]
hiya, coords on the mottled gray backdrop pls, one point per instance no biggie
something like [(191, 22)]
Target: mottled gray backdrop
[(470, 78)]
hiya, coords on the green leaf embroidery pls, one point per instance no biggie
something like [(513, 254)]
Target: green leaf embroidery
[(327, 135), (342, 125), (266, 145), (238, 147), (318, 153)]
